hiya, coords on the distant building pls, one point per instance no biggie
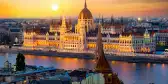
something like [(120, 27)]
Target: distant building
[(3, 32), (137, 43), (112, 29), (12, 32), (162, 37), (16, 33)]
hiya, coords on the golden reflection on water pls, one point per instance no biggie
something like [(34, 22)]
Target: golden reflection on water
[(163, 66), (29, 59), (75, 63), (148, 65), (66, 63), (125, 67), (134, 64), (113, 62)]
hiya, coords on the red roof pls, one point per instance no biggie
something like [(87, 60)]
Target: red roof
[(115, 26), (132, 33), (163, 31)]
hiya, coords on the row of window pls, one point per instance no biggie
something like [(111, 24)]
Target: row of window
[(70, 45), (136, 41)]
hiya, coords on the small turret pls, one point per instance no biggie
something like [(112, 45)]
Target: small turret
[(146, 34), (63, 21), (63, 26), (47, 36), (56, 36)]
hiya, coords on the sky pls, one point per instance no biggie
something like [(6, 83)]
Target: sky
[(42, 8)]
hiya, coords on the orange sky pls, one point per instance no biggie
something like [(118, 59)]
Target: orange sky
[(42, 8)]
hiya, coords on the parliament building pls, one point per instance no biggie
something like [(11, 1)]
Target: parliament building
[(83, 38)]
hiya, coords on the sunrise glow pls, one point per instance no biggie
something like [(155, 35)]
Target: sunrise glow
[(45, 8), (55, 7)]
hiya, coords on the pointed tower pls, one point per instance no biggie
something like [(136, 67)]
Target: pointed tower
[(102, 21), (102, 65), (122, 21), (63, 25), (146, 34), (63, 30), (63, 21), (85, 4), (112, 20)]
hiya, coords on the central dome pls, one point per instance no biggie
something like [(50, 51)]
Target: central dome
[(85, 13)]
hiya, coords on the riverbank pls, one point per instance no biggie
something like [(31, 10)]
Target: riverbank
[(129, 59), (59, 54), (139, 59)]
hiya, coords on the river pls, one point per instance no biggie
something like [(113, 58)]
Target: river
[(130, 73)]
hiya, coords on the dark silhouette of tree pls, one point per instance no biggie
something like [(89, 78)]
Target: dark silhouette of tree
[(20, 62), (5, 40)]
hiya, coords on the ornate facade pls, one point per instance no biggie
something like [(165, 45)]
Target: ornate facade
[(61, 37), (83, 38), (137, 43), (162, 38)]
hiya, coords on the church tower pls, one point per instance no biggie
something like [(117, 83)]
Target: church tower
[(102, 65), (63, 31), (63, 26)]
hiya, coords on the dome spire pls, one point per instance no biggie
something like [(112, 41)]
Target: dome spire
[(85, 4)]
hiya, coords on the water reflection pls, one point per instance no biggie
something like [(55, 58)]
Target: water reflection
[(130, 73)]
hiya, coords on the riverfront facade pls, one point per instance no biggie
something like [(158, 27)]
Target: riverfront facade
[(83, 37)]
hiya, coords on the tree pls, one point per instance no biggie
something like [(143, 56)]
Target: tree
[(20, 62), (6, 40)]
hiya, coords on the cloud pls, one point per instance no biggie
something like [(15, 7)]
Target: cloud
[(138, 1)]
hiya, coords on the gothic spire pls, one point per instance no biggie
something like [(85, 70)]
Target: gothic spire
[(102, 63), (122, 21), (85, 4), (99, 20), (63, 20), (102, 20), (112, 20)]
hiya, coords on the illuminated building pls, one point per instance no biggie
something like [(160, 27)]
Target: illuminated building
[(12, 32), (63, 38), (83, 38), (162, 38), (137, 43)]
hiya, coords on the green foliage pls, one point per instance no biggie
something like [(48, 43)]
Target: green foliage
[(20, 62)]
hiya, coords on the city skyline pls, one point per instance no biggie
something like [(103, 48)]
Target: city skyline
[(42, 9)]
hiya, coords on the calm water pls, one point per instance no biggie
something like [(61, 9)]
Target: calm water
[(130, 73)]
